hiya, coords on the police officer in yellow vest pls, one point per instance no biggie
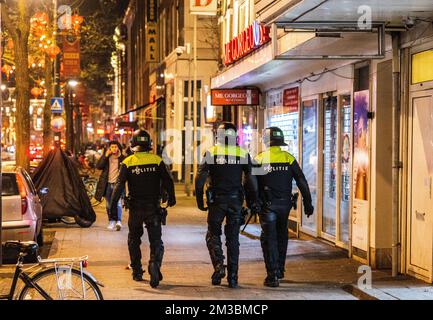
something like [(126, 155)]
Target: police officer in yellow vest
[(225, 165), (148, 178), (275, 170)]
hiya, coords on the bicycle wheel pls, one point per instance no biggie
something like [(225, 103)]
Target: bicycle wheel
[(47, 280)]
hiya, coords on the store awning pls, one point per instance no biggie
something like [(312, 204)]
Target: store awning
[(149, 105), (277, 63), (393, 12), (262, 70)]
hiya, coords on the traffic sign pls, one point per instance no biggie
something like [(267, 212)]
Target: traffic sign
[(57, 105)]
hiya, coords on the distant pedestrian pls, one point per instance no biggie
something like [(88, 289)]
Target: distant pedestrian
[(109, 163)]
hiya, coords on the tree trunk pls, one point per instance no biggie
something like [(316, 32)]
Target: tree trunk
[(49, 85), (69, 121), (22, 127), (48, 136)]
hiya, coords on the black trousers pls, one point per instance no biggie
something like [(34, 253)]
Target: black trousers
[(148, 214), (275, 235), (231, 211)]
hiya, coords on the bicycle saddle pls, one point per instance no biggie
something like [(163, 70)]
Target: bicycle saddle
[(28, 247)]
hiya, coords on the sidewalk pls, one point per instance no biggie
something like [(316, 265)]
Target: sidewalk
[(401, 288), (314, 270)]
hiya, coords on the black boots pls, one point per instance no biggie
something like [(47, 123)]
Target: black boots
[(155, 274), (232, 276), (155, 263), (138, 276), (271, 281), (233, 282), (280, 274), (218, 275)]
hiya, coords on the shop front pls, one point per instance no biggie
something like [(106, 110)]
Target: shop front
[(325, 109), (418, 209), (239, 106), (341, 129)]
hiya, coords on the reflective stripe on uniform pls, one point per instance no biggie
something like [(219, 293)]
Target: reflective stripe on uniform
[(142, 159), (275, 155), (234, 151)]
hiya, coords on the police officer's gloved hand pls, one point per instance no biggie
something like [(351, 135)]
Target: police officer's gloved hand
[(200, 204), (255, 208), (171, 202), (309, 209)]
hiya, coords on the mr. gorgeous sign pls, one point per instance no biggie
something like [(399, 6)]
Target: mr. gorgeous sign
[(252, 38), (235, 97)]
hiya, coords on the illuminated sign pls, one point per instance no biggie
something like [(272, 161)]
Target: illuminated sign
[(203, 7), (151, 32), (151, 41), (235, 97), (291, 100), (252, 38)]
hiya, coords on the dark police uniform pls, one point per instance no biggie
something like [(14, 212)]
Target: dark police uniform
[(147, 178), (225, 166), (275, 172)]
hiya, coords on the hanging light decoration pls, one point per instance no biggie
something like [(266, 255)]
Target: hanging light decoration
[(53, 51), (36, 92), (7, 70), (77, 21)]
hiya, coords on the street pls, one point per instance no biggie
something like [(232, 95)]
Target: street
[(319, 108), (314, 270)]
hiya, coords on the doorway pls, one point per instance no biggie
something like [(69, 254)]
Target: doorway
[(420, 209), (327, 165)]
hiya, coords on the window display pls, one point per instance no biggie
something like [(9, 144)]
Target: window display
[(309, 155), (330, 165), (346, 154)]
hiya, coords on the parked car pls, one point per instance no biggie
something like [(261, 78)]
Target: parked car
[(36, 153), (21, 207)]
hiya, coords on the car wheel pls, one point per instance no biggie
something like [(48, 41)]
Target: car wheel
[(40, 239)]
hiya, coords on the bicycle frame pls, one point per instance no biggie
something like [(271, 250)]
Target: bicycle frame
[(20, 274)]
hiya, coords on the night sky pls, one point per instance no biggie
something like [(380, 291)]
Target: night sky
[(86, 7)]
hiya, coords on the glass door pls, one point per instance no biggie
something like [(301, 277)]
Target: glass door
[(345, 166), (310, 157), (330, 137)]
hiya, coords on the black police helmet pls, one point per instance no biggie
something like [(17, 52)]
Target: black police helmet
[(227, 133), (274, 137), (141, 140)]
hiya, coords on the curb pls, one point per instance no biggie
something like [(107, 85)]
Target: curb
[(358, 293)]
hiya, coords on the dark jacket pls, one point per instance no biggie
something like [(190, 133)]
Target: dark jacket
[(228, 169), (147, 177), (275, 170), (103, 165)]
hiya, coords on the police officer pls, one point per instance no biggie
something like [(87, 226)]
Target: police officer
[(275, 170), (148, 178), (225, 165)]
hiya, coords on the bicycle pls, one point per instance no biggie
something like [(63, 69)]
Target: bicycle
[(56, 279)]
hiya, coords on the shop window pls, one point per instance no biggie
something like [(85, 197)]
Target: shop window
[(186, 86), (422, 67), (248, 123), (278, 116), (330, 164), (310, 154), (362, 78), (346, 156)]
